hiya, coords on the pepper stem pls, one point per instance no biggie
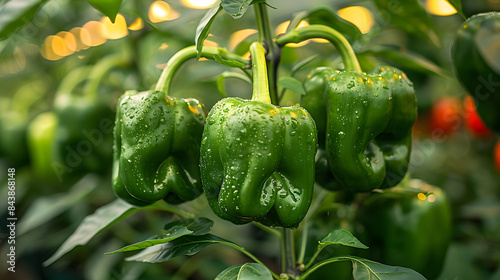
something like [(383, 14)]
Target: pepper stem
[(184, 55), (288, 253), (70, 82), (319, 31), (100, 70), (260, 84), (266, 37)]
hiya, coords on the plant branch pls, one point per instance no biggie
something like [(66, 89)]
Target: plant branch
[(267, 229), (100, 70), (251, 256), (167, 208), (319, 31), (266, 36), (313, 258), (288, 253), (303, 243), (186, 54), (71, 81), (322, 263)]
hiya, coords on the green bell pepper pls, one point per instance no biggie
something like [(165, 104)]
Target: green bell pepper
[(368, 128), (257, 159), (157, 139), (83, 137), (364, 120), (157, 148), (41, 134), (16, 113), (475, 57), (13, 141), (407, 229)]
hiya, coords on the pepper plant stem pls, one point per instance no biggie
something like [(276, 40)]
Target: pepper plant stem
[(303, 243), (267, 37), (251, 256), (260, 82), (70, 82), (288, 253), (100, 70), (319, 31), (308, 272), (184, 55)]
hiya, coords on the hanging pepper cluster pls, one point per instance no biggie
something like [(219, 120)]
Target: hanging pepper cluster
[(257, 161)]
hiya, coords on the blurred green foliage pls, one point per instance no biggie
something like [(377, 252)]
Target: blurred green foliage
[(51, 209)]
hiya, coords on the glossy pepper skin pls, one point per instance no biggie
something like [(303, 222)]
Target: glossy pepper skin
[(475, 59), (369, 117), (257, 162), (407, 229), (157, 148), (314, 101)]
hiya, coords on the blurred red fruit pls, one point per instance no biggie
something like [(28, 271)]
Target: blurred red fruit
[(473, 122), (445, 116), (496, 153)]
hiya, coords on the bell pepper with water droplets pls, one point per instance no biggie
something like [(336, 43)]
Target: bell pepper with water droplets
[(257, 159), (157, 139), (157, 148), (367, 134)]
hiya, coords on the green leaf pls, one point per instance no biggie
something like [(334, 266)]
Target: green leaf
[(172, 234), (292, 84), (92, 225), (16, 14), (198, 226), (328, 17), (108, 7), (203, 28), (409, 16), (341, 237), (46, 208), (236, 8), (363, 269), (408, 60), (227, 62), (457, 4), (246, 271), (185, 245)]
